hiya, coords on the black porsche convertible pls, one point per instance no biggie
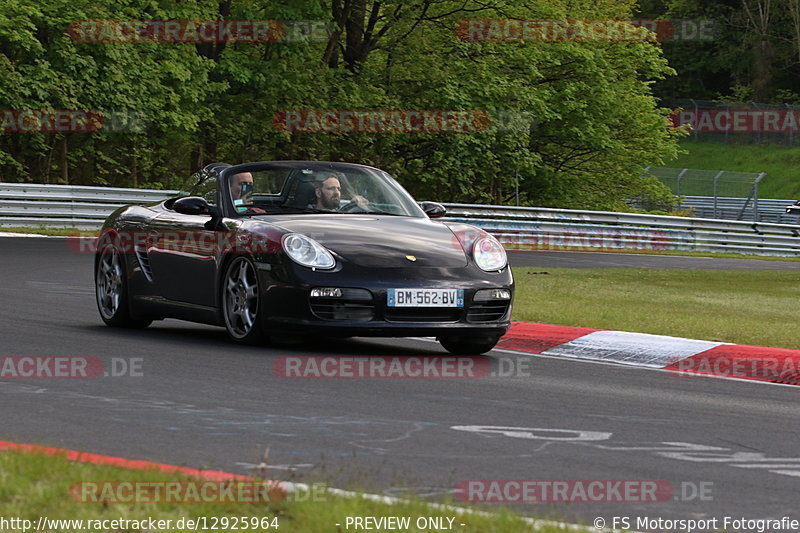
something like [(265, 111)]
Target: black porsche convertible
[(304, 247)]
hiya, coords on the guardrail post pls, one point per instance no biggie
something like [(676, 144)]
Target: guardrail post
[(680, 175), (716, 177), (756, 214)]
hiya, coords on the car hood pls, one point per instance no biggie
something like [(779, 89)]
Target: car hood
[(382, 241)]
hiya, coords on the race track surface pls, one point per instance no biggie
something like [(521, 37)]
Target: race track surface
[(202, 402)]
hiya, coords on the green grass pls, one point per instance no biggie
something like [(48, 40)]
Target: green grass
[(781, 164), (56, 232), (33, 486), (742, 307)]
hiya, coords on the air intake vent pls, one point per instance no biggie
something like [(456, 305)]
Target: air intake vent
[(351, 304), (331, 309), (490, 311), (144, 262)]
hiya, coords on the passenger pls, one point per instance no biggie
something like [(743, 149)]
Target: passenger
[(241, 194), (237, 183)]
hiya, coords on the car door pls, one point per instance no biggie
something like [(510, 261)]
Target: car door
[(183, 254)]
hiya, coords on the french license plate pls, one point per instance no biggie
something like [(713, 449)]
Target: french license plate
[(425, 298)]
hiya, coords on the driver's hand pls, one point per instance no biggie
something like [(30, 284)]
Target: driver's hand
[(360, 201)]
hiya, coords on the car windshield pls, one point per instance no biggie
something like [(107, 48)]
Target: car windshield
[(308, 187)]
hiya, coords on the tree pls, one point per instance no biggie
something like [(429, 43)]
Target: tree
[(553, 123), (755, 47)]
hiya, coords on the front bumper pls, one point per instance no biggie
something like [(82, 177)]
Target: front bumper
[(362, 310)]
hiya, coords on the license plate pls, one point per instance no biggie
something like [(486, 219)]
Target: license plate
[(425, 298)]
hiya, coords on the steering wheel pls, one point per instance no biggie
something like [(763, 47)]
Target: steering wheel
[(352, 207)]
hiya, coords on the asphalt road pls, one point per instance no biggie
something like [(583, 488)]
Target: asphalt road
[(198, 400)]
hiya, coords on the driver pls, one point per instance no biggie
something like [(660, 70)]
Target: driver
[(328, 192)]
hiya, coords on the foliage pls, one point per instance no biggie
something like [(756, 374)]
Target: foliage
[(585, 119), (754, 52)]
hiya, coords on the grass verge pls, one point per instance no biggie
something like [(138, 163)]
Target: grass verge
[(741, 307), (53, 232), (34, 486)]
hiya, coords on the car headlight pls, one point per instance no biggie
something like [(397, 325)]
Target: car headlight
[(489, 254), (306, 251)]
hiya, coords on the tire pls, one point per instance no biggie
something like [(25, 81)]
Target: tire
[(111, 289), (241, 302), (466, 345)]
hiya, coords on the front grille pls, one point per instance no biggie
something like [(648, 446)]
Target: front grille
[(490, 311), (423, 314), (144, 262), (336, 309)]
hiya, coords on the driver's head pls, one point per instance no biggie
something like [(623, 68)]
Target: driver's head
[(237, 180), (329, 192)]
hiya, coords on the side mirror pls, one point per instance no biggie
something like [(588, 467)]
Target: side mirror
[(192, 205), (433, 209)]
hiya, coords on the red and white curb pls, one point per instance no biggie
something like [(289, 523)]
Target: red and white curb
[(775, 365), (128, 464)]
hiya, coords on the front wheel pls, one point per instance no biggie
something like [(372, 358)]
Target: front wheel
[(111, 289), (468, 345), (241, 302)]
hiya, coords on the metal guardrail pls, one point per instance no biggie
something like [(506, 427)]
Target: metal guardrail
[(768, 210), (553, 229), (65, 206), (26, 205)]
